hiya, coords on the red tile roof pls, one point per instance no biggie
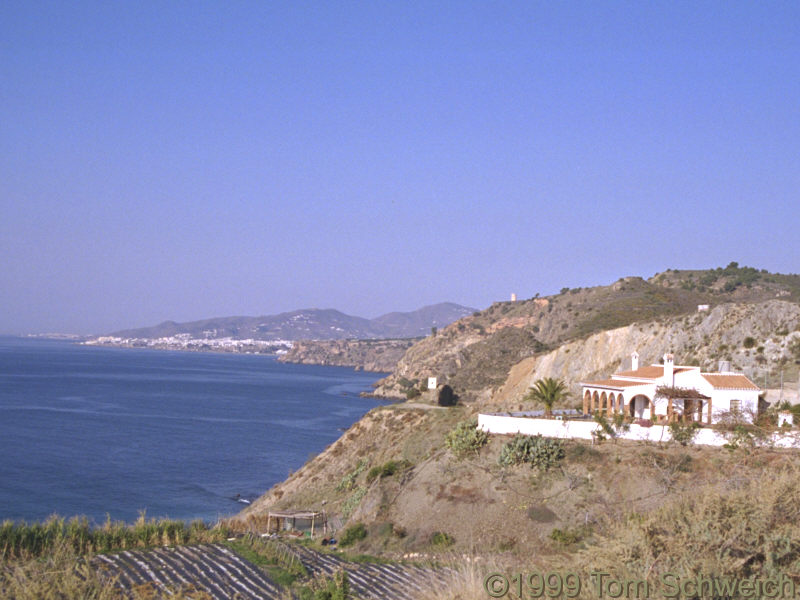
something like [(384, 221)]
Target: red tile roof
[(721, 381), (613, 383), (651, 372)]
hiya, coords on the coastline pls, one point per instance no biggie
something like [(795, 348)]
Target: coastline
[(186, 344)]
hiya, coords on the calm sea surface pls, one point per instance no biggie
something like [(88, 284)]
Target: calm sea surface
[(90, 431)]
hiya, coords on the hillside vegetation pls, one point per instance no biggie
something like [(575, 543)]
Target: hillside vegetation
[(474, 355), (604, 505)]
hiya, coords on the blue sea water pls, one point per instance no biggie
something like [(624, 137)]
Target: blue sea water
[(96, 431)]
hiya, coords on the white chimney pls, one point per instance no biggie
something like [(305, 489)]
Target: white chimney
[(634, 360), (669, 369)]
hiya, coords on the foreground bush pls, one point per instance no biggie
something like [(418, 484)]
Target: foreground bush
[(387, 469), (466, 439), (442, 539), (353, 534), (537, 451), (684, 433), (328, 588)]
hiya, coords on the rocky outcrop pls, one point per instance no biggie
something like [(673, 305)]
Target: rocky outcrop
[(369, 355), (755, 338)]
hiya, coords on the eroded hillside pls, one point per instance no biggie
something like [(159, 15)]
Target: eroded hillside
[(475, 354), (759, 339), (392, 473)]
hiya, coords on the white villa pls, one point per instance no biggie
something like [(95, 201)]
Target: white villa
[(705, 396)]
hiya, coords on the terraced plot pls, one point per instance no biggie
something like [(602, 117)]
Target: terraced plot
[(224, 574), (372, 580), (213, 568)]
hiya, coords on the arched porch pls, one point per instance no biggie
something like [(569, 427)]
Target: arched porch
[(640, 407), (604, 401)]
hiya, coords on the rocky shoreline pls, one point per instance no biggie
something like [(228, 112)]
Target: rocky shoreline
[(379, 356)]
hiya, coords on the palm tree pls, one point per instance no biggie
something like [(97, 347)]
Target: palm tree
[(547, 391)]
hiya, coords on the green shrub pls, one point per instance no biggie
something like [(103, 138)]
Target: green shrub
[(465, 439), (517, 451), (540, 452), (606, 431), (373, 474), (353, 534), (282, 566), (327, 588), (749, 342), (569, 535), (349, 505), (387, 469), (684, 433), (348, 482), (413, 393), (442, 539)]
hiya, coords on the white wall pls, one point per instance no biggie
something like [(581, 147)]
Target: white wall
[(582, 430), (721, 401)]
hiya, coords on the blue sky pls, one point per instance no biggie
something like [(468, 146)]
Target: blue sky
[(186, 160)]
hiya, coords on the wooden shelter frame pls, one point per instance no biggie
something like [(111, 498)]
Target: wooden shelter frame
[(280, 517)]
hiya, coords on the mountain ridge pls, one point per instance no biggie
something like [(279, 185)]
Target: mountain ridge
[(313, 323)]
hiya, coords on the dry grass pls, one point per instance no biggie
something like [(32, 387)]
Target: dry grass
[(464, 582), (740, 526), (40, 538), (743, 526)]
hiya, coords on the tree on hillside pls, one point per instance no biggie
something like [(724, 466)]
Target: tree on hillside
[(548, 391)]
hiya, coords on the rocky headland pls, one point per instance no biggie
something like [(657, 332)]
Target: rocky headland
[(370, 355)]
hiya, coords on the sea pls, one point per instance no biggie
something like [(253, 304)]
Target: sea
[(119, 432)]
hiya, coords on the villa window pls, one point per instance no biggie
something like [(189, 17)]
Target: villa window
[(736, 406)]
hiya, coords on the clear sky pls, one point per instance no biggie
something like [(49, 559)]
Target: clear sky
[(182, 160)]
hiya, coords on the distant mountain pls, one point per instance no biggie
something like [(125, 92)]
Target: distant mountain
[(400, 325), (310, 324)]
